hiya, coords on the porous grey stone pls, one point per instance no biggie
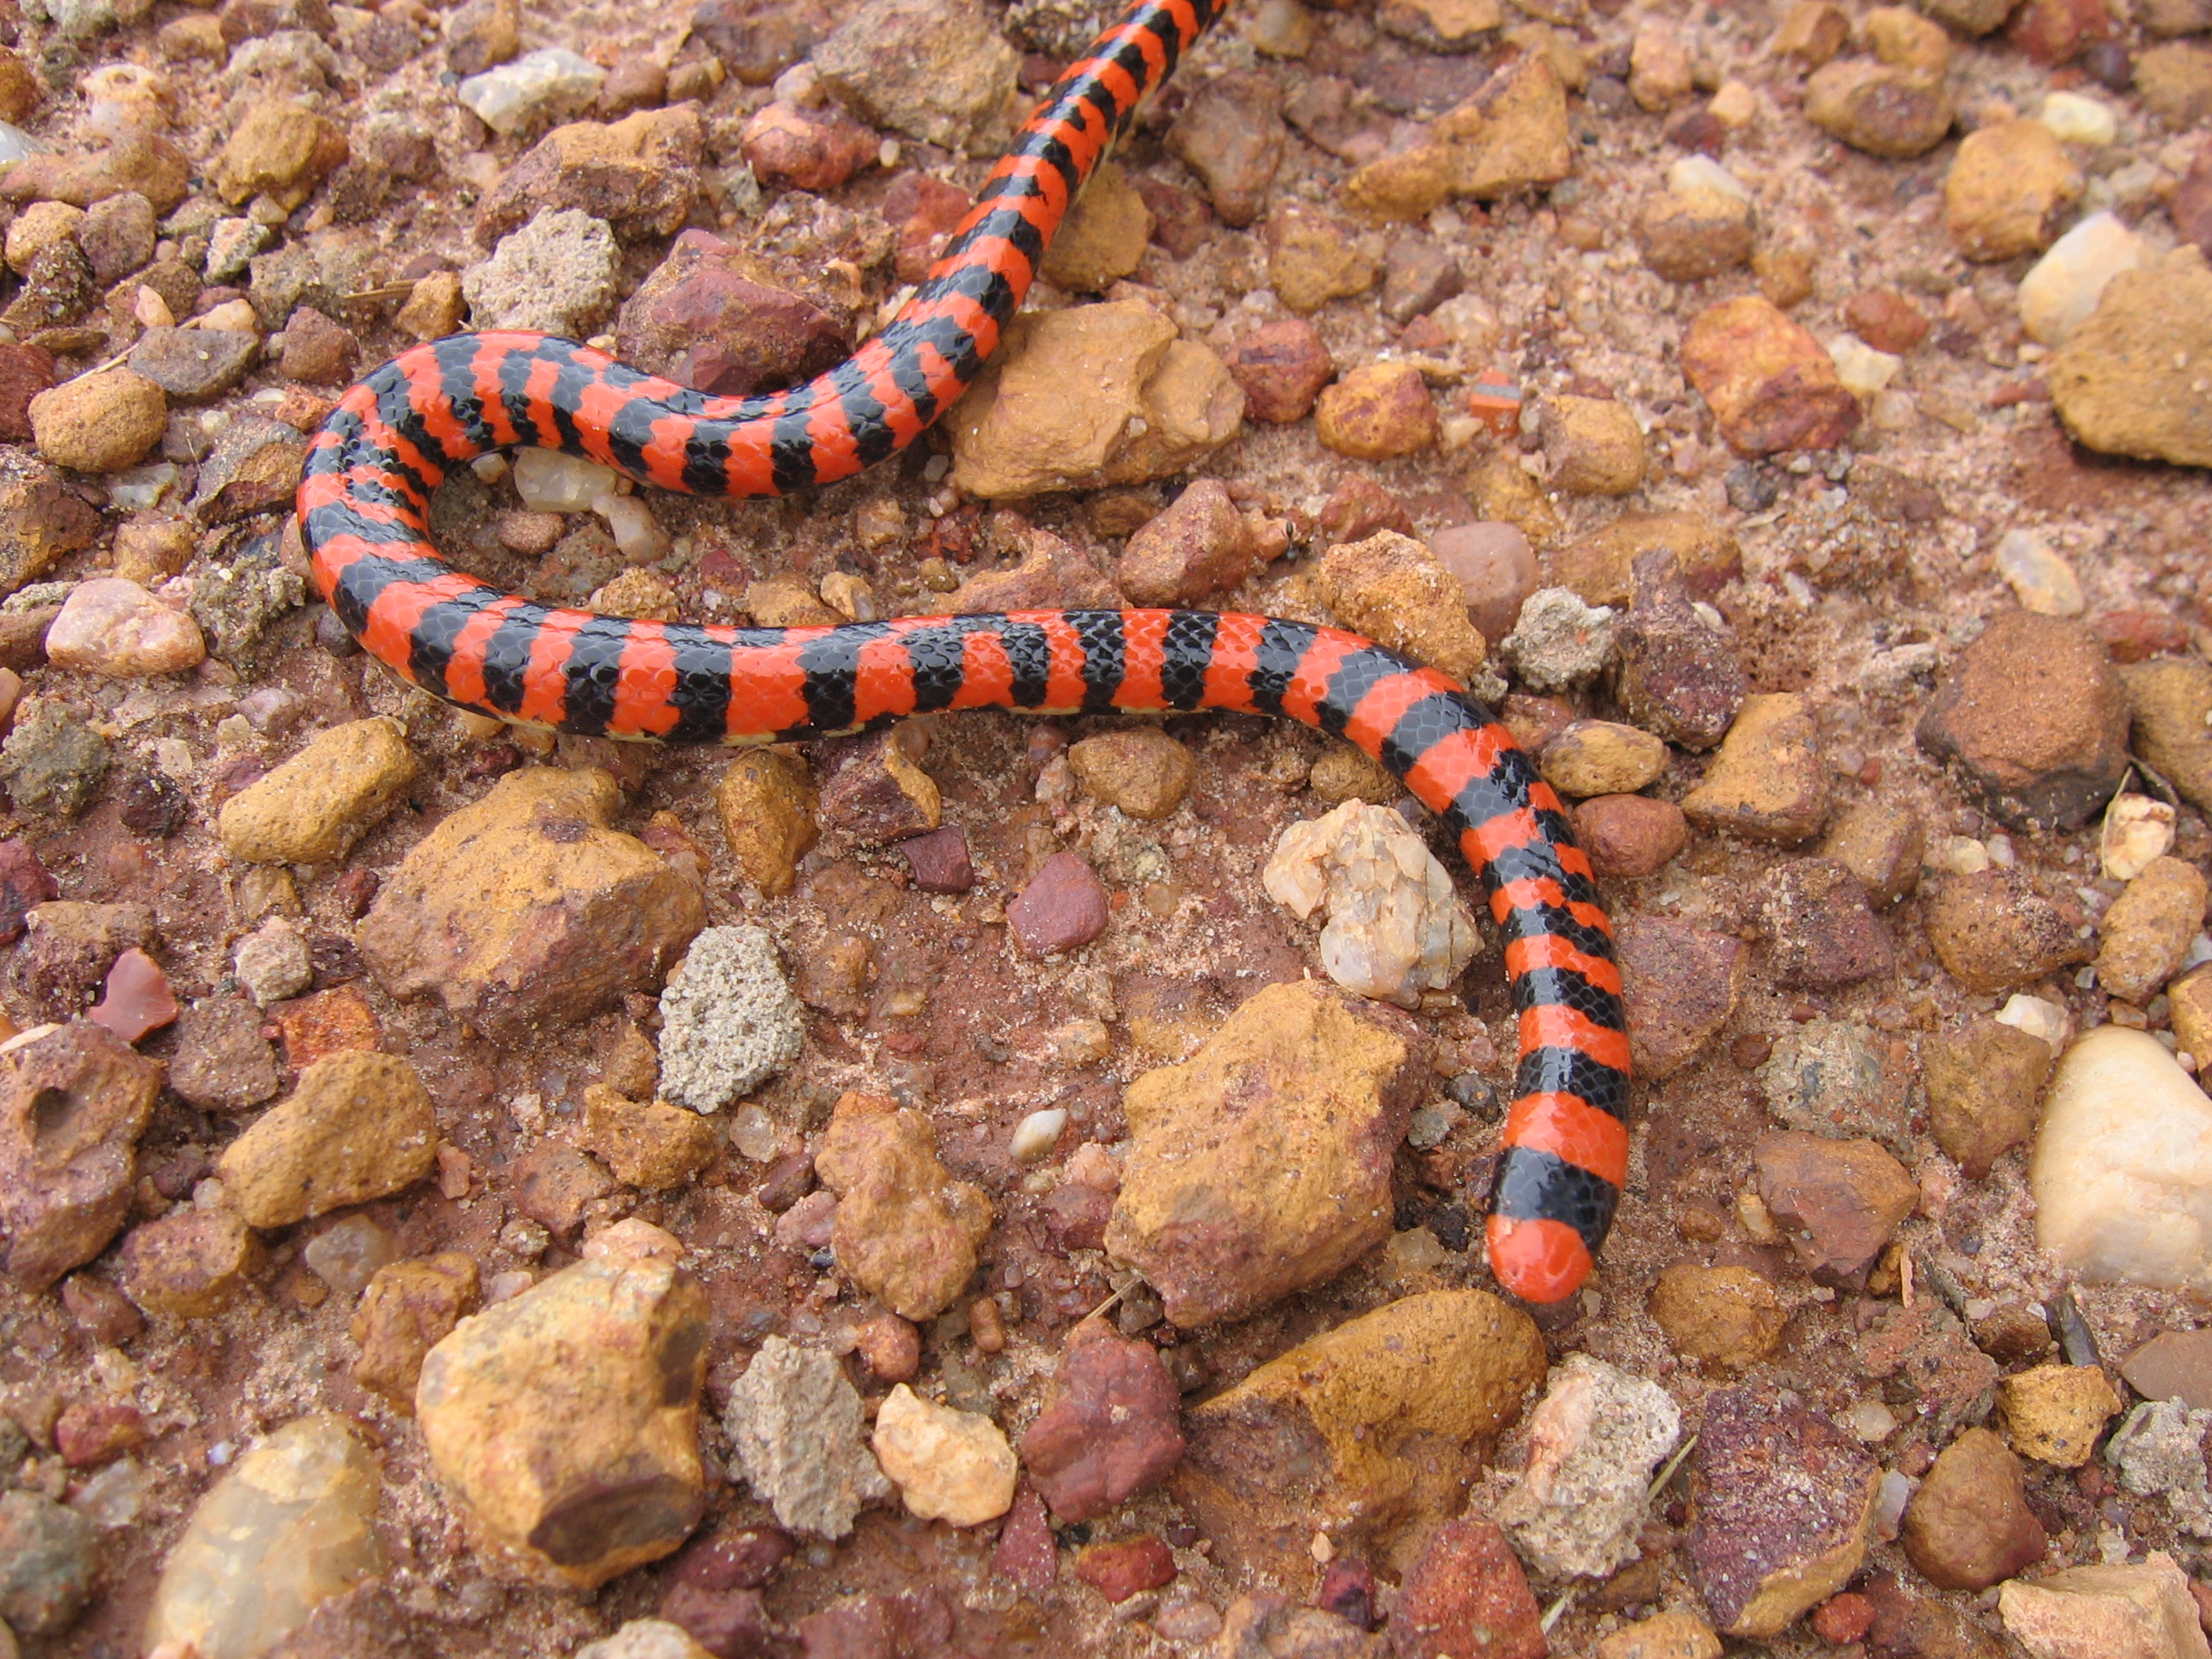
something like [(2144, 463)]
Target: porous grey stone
[(800, 1439), (728, 1019)]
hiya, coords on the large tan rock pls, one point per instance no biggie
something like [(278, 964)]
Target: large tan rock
[(526, 909), (2115, 1610), (1395, 590), (906, 1230), (1263, 1163), (358, 1127), (2131, 380), (313, 808)]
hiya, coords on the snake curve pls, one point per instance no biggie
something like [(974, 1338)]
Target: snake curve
[(364, 506)]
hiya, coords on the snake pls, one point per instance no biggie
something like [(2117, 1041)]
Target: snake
[(364, 508)]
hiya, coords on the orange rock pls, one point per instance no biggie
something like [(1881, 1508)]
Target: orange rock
[(1770, 385)]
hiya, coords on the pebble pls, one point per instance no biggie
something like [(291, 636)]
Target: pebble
[(2120, 381), (2043, 582), (1468, 1598), (2173, 1365), (2160, 1449), (940, 861), (565, 1421), (1768, 781), (1370, 1403), (2075, 118), (2136, 831), (313, 808), (1282, 367), (49, 1563), (1103, 237), (1594, 445), (25, 884), (1886, 320), (1839, 1201), (434, 309), (1142, 771), (806, 148), (939, 73), (549, 482), (1376, 413), (134, 998), (649, 1638), (1602, 757), (103, 421), (2055, 1413), (1213, 1213), (1594, 1440), (2175, 83), (358, 1127), (2062, 292), (1559, 642), (191, 1265), (256, 465), (1883, 109), (291, 1524), (1395, 590), (1311, 260), (115, 628), (1770, 385), (950, 1466), (1969, 1525), (279, 149), (481, 34), (1629, 837), (1109, 1430), (1984, 1083), (74, 1100), (556, 275), (700, 318), (526, 908), (1394, 929), (2148, 928), (1199, 544), (1820, 927), (2009, 190), (795, 1424), (1497, 567), (907, 1232), (1683, 984), (2170, 699), (2036, 717), (1994, 930), (1676, 1634), (1701, 226), (1827, 1076), (509, 97), (1036, 1134), (194, 365), (2123, 1161), (1782, 1506), (407, 1308), (25, 372), (92, 1432), (348, 1252), (316, 350), (648, 1144), (1127, 1567), (729, 1019), (2142, 1609)]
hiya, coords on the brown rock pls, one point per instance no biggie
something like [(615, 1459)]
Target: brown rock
[(2009, 191), (1994, 930), (1881, 843), (1676, 1633), (1063, 907), (191, 1265), (316, 350), (102, 422), (647, 1143), (715, 319), (1881, 108), (1393, 589), (1771, 385), (637, 174), (1053, 574), (2148, 929), (1513, 135), (1103, 237), (144, 162), (1496, 567), (1467, 1598), (1767, 782), (810, 149), (280, 148), (2172, 1365), (2175, 81), (406, 1309), (1820, 928), (766, 803), (1601, 567), (1886, 320), (526, 908), (1969, 1524), (1687, 236), (2170, 699), (1282, 367), (907, 1232), (1782, 1506), (358, 1125), (25, 372), (1984, 1082), (1839, 1200), (2116, 380), (1263, 1163), (1601, 757), (41, 518), (1376, 413), (1120, 1570), (2052, 31), (939, 861), (873, 786), (74, 1099), (1682, 984), (1596, 446), (1311, 260), (69, 947), (1679, 675), (313, 808), (1727, 1317), (556, 1185), (1141, 770), (1909, 1627), (1230, 134), (1630, 836), (1199, 545), (1109, 1427)]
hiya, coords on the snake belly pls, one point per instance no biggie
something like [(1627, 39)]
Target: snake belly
[(364, 514)]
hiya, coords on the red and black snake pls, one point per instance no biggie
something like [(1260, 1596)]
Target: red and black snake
[(364, 508)]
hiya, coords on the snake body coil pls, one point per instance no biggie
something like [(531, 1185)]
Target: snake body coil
[(364, 509)]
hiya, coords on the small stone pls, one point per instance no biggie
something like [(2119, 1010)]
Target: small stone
[(2148, 927), (257, 464), (2055, 1413), (1594, 1440), (648, 1638), (2116, 382), (648, 1144), (1143, 771), (1376, 413), (102, 422), (137, 160), (796, 1426), (191, 1265), (221, 1062), (358, 1127), (1727, 1317), (1394, 927), (564, 1422), (942, 76), (2043, 582), (1969, 1525), (2008, 191), (766, 803), (280, 148), (1993, 930), (555, 276), (1311, 260), (940, 861), (317, 350), (1127, 1568), (49, 1563), (1701, 226), (1682, 983), (1496, 567), (1230, 134), (1984, 1085), (92, 1432), (702, 319), (2063, 291), (314, 807), (509, 98), (1282, 367), (134, 998), (1109, 1428), (2160, 1449), (2170, 699), (25, 372), (1827, 1077), (2172, 1365), (1103, 237), (1334, 1077), (2119, 1186), (1676, 1634), (808, 149), (729, 1020), (1594, 445), (481, 34), (1768, 781), (434, 309), (1062, 907), (2175, 82), (1559, 641), (1629, 837), (1770, 386), (407, 1308), (907, 1232), (1821, 926), (1884, 109), (115, 627), (1468, 1598), (1886, 320), (2143, 1610), (1839, 1200), (950, 1466), (1200, 544), (1417, 276), (74, 1099), (1600, 757), (194, 365)]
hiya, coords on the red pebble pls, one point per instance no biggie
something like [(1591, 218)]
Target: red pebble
[(1063, 906), (136, 999), (1347, 1589), (1842, 1620), (1495, 401), (940, 860), (1468, 1598), (2132, 635), (1118, 1571), (924, 212), (92, 1432), (734, 1558), (1027, 1554)]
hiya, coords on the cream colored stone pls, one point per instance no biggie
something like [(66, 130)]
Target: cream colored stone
[(950, 1466)]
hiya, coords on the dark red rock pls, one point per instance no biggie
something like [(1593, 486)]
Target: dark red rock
[(640, 177), (67, 947), (1821, 931), (924, 212), (1181, 220), (730, 1624), (1681, 676), (1027, 1554), (104, 1312), (2053, 31), (554, 1183), (733, 1559), (939, 861), (809, 149), (1282, 367), (317, 348), (1926, 1344), (2137, 635), (1347, 1589), (1077, 1215), (1358, 508), (1467, 1598), (91, 1432), (1063, 906), (1630, 836), (1842, 1620), (1839, 1200), (1110, 1428), (1119, 1570), (1906, 1626), (872, 789), (788, 1181), (858, 1627), (1969, 1526), (24, 884), (700, 319), (25, 372)]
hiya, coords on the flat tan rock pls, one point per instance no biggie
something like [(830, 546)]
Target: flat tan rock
[(358, 1127), (313, 808)]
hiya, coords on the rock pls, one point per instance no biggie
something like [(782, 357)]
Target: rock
[(2148, 927), (74, 1099), (2121, 1165), (807, 148), (194, 365), (1119, 1570), (873, 786), (1103, 237), (1282, 366), (49, 1563), (2129, 1610), (950, 1466), (434, 309), (1767, 783), (1200, 544), (648, 1638), (1596, 446), (564, 1422), (272, 964), (1559, 642), (1416, 278), (256, 465), (1334, 1076), (1496, 567), (2009, 189), (1087, 396), (1880, 844), (1984, 1083), (555, 276), (103, 422), (93, 1432), (1392, 588), (512, 96), (648, 1144), (637, 176), (1682, 985), (2173, 1365), (729, 1020), (1376, 413), (406, 1309), (2114, 381), (1883, 109), (221, 1062), (314, 807), (1839, 1202), (1602, 565), (796, 1426), (1821, 926), (1467, 1598), (25, 372), (135, 999), (1969, 1524), (2170, 698), (704, 317), (1701, 226), (1062, 907), (907, 1232), (70, 947), (1679, 675), (1109, 1428), (1628, 836), (1827, 1076), (143, 162), (115, 628), (1230, 134), (25, 884), (940, 861), (1781, 1507), (1727, 1317), (766, 803), (191, 1265), (280, 148), (2064, 289), (1601, 757), (358, 1125), (1886, 320), (291, 1525), (1051, 574), (1676, 1634), (1143, 771), (1265, 1626), (1359, 1431), (526, 908), (2054, 1413), (2159, 1449), (316, 350), (940, 74), (1311, 260), (1594, 1440), (556, 1185), (40, 520), (1993, 930), (1770, 385), (2175, 82)]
